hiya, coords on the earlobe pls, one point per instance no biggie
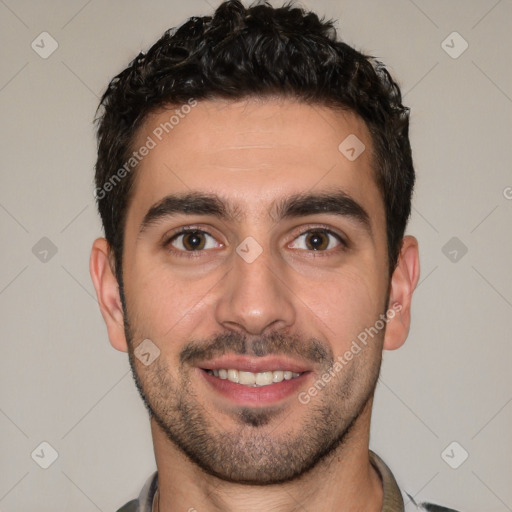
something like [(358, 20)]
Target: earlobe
[(107, 292), (403, 282)]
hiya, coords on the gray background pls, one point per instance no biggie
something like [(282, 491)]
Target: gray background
[(61, 382)]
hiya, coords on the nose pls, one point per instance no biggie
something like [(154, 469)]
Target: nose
[(255, 296)]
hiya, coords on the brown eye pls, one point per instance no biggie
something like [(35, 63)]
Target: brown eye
[(317, 240), (192, 240)]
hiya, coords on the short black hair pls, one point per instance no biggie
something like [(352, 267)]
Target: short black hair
[(260, 51)]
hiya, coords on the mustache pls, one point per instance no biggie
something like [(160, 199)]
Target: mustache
[(275, 343)]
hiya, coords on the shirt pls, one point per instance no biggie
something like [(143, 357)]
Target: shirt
[(394, 499)]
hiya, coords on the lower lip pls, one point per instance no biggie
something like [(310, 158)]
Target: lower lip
[(257, 395)]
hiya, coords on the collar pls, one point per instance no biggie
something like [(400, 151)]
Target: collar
[(392, 495)]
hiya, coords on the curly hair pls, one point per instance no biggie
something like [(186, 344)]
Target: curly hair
[(259, 51)]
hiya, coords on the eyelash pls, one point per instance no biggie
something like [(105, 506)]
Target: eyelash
[(195, 254)]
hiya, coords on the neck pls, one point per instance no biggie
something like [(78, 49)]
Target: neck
[(343, 481)]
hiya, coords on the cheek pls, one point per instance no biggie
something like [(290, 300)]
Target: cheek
[(163, 305), (345, 305)]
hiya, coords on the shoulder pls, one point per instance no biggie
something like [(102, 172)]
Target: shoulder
[(145, 500), (395, 498), (410, 505), (131, 506)]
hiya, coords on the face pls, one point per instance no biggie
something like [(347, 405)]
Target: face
[(282, 265)]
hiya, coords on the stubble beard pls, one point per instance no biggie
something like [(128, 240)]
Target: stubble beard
[(252, 452)]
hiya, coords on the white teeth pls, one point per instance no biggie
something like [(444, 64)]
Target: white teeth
[(254, 379), (233, 375), (277, 376), (247, 378), (264, 378)]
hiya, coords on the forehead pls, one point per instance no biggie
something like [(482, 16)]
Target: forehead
[(254, 151)]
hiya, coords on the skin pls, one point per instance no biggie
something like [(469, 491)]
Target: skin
[(211, 454)]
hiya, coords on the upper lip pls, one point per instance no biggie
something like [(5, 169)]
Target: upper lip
[(254, 364)]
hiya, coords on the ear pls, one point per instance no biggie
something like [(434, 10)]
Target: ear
[(403, 282), (107, 291)]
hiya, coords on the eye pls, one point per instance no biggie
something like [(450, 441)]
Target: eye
[(190, 240), (317, 240)]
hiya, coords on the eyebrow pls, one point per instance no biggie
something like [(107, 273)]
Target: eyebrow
[(335, 202)]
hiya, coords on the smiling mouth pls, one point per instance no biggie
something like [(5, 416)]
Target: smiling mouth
[(250, 379)]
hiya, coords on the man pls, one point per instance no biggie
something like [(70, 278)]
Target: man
[(254, 180)]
